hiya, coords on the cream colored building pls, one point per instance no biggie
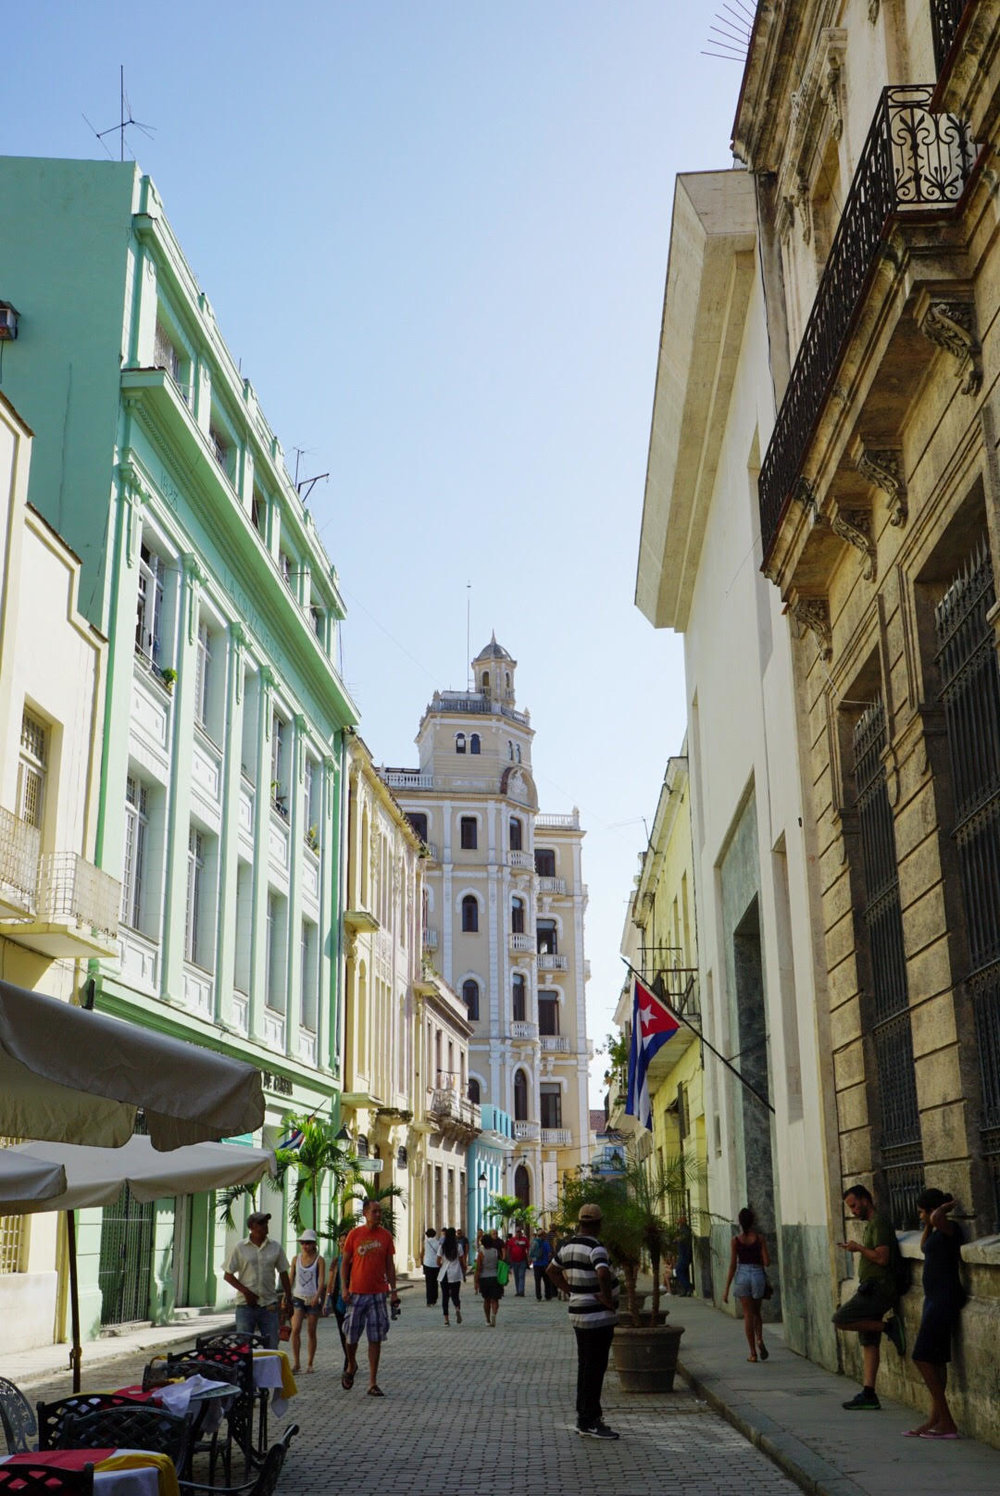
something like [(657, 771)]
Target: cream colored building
[(870, 134), (756, 889), (57, 910), (660, 943), (445, 1121), (382, 956), (504, 924)]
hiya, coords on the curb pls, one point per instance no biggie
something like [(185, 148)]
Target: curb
[(809, 1471)]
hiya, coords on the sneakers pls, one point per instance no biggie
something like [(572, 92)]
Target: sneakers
[(893, 1328), (598, 1431), (866, 1401), (458, 1315)]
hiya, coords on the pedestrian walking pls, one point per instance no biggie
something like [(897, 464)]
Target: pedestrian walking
[(748, 1259), (308, 1276), (368, 1276), (539, 1256), (684, 1258), (451, 1273), (877, 1295), (517, 1257), (255, 1267), (485, 1280), (944, 1299), (335, 1297), (581, 1268), (432, 1251)]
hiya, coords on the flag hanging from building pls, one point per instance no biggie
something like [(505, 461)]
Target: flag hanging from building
[(652, 1025), (293, 1142)]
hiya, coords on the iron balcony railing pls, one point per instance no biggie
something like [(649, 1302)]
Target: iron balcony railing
[(946, 17), (72, 889), (912, 160), (19, 847)]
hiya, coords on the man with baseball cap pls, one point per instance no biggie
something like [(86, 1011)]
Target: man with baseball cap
[(581, 1269), (251, 1270)]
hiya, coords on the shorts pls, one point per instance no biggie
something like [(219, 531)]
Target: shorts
[(369, 1313), (937, 1323), (873, 1300), (750, 1281), (489, 1288), (306, 1308)]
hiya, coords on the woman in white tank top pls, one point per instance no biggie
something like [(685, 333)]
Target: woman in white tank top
[(308, 1286)]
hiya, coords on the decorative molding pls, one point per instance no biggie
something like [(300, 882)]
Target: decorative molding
[(951, 325), (813, 613), (804, 492), (135, 495), (855, 526), (873, 10), (815, 114), (883, 467)]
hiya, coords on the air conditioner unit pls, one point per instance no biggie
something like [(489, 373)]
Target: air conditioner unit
[(8, 322)]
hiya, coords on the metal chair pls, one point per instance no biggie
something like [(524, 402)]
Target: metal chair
[(52, 1416), (215, 1363), (266, 1479), (16, 1419), (139, 1426), (228, 1340), (236, 1419), (43, 1480)]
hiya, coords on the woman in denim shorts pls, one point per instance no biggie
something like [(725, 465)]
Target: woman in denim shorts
[(747, 1262)]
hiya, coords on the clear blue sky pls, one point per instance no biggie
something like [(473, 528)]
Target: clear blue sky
[(435, 235)]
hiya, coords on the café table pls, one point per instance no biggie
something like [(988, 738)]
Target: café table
[(272, 1371), (117, 1472)]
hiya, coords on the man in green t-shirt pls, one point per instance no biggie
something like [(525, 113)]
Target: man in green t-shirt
[(864, 1314)]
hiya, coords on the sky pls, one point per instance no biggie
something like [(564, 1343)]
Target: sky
[(435, 237)]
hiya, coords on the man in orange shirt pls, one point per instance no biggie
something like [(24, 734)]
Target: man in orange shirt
[(367, 1275)]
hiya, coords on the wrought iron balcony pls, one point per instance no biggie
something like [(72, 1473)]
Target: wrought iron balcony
[(946, 17), (913, 160), (19, 845)]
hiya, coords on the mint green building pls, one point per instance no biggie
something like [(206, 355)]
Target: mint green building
[(222, 757)]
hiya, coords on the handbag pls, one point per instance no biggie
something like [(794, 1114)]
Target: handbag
[(503, 1273), (768, 1289)]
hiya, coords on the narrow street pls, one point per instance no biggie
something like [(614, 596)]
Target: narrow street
[(471, 1410)]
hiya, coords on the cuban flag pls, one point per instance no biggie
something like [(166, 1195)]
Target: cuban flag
[(293, 1142), (652, 1025)]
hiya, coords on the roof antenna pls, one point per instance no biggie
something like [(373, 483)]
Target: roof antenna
[(306, 483), (468, 636), (732, 36), (124, 122)]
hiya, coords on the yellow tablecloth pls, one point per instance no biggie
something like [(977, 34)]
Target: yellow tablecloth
[(289, 1386), (134, 1459)]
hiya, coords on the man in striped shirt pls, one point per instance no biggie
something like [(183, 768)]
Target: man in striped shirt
[(581, 1269)]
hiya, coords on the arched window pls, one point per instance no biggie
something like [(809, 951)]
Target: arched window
[(486, 680), (510, 750), (470, 994), (460, 742), (475, 1093), (517, 752), (515, 834), (548, 943), (470, 914), (520, 1003), (520, 1096), (517, 916), (522, 1185), (474, 743)]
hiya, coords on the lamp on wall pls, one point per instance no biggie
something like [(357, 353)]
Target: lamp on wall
[(483, 1177), (343, 1136)]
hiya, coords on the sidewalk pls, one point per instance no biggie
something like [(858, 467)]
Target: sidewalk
[(48, 1362), (791, 1409)]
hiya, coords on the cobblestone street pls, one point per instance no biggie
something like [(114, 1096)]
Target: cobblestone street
[(470, 1409)]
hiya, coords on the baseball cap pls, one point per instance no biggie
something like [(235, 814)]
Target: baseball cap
[(258, 1215), (307, 1236), (590, 1213)]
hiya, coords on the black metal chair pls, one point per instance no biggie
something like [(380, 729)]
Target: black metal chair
[(215, 1363), (233, 1340), (266, 1480), (139, 1426), (52, 1416), (43, 1480), (17, 1419), (210, 1444)]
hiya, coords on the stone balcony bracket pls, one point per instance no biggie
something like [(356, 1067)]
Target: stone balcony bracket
[(882, 467), (812, 614), (948, 320)]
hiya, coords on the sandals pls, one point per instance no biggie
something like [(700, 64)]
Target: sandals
[(752, 1359), (347, 1380), (375, 1391), (762, 1351)]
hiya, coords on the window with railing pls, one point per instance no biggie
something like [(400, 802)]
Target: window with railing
[(895, 1089), (970, 695), (946, 17)]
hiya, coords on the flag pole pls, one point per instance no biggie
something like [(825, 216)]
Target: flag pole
[(721, 1057)]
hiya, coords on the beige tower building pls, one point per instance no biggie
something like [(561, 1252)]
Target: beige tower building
[(505, 902)]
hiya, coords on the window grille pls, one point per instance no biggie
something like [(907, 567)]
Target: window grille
[(970, 695), (904, 1181), (891, 1031), (13, 1233), (31, 770), (134, 857)]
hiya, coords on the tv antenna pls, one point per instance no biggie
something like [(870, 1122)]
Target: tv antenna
[(125, 121), (307, 484)]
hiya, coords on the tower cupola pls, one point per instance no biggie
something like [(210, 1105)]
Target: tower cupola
[(493, 671)]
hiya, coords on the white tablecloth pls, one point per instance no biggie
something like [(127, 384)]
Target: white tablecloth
[(267, 1373)]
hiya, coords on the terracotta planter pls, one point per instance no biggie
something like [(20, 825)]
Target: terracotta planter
[(645, 1356)]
